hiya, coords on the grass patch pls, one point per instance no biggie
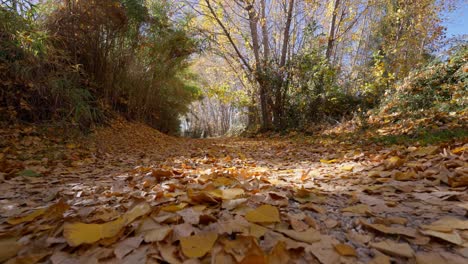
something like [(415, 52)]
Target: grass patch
[(423, 137)]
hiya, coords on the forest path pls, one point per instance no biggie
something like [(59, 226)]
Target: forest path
[(153, 198)]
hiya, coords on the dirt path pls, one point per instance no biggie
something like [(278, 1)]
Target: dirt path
[(132, 195)]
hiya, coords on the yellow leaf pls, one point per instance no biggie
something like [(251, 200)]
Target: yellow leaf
[(8, 248), (174, 208), (345, 250), (459, 150), (203, 197), (257, 230), (198, 245), (393, 162), (279, 254), (80, 233), (224, 181), (27, 218), (263, 214), (228, 194), (137, 211), (328, 161), (404, 176), (348, 168)]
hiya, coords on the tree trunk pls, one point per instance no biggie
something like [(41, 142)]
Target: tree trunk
[(331, 35), (280, 82)]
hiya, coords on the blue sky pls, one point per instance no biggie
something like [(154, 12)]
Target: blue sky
[(457, 21)]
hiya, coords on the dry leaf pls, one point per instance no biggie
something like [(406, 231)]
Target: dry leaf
[(389, 230), (447, 224), (362, 209), (313, 207), (263, 214), (174, 208), (279, 254), (27, 218), (80, 233), (198, 245), (452, 237), (393, 162), (126, 246), (429, 258), (393, 248), (158, 234), (257, 230), (405, 176), (8, 248), (345, 250)]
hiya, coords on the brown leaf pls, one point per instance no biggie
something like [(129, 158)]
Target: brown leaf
[(393, 248), (389, 230), (8, 248)]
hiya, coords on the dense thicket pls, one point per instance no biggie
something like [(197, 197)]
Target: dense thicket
[(81, 60)]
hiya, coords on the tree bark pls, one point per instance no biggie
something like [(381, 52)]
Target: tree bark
[(331, 35), (280, 84)]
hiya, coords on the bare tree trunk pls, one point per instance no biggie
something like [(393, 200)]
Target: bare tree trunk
[(266, 44), (259, 71), (278, 107), (331, 35)]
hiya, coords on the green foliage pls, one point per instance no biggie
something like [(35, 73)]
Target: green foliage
[(314, 94), (440, 87), (422, 137), (38, 84), (82, 59)]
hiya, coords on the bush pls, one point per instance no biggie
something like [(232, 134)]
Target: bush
[(38, 82), (441, 86)]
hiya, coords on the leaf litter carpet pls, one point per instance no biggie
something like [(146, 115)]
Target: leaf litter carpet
[(129, 194)]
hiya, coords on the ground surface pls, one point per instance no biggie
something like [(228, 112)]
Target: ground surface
[(129, 194)]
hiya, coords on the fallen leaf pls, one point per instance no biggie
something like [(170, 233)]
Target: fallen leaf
[(329, 161), (27, 218), (362, 209), (429, 258), (452, 237), (389, 230), (81, 233), (257, 230), (279, 254), (405, 176), (447, 224), (393, 248), (263, 214), (174, 208), (8, 248), (126, 246), (137, 211), (157, 235), (198, 245), (228, 194), (313, 207), (345, 250), (393, 162)]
